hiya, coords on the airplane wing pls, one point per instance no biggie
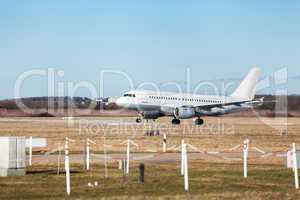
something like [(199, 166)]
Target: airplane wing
[(237, 103), (208, 107), (215, 109)]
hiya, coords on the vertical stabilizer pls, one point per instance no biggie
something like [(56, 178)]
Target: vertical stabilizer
[(246, 89)]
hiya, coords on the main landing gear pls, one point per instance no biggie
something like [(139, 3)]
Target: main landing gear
[(199, 121), (175, 121)]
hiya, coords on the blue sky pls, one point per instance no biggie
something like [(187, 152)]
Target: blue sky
[(149, 40)]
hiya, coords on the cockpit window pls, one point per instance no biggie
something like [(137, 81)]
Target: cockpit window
[(129, 95)]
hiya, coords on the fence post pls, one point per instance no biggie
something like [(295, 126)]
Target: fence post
[(67, 167), (295, 166), (182, 158), (30, 151), (124, 166), (186, 175), (245, 151), (165, 143), (58, 160), (128, 156), (142, 172), (87, 154), (105, 159)]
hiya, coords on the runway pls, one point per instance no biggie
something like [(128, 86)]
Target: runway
[(153, 157)]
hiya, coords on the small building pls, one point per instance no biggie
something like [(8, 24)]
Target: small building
[(289, 161), (12, 156)]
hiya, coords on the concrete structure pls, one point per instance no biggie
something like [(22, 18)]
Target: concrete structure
[(37, 143), (12, 156), (289, 161)]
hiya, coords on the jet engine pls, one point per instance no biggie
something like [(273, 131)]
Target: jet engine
[(151, 114), (184, 112)]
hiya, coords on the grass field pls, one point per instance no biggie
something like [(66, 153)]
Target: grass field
[(209, 178), (162, 181)]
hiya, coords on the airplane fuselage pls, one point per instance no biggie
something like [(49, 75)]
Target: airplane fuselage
[(166, 102), (154, 104)]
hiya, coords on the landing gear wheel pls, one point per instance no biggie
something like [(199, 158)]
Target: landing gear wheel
[(199, 121), (138, 120), (175, 121)]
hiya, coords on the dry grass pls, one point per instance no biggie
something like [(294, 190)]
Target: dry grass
[(217, 134)]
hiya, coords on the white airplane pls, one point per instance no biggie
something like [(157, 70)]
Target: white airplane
[(154, 104)]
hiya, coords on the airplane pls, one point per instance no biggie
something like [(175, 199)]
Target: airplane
[(153, 104)]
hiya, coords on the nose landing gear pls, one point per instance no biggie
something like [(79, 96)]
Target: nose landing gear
[(138, 120)]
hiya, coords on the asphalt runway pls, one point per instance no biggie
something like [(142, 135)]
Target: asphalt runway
[(154, 157)]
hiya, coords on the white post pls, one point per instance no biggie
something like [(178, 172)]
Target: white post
[(165, 143), (186, 175), (67, 167), (245, 150), (30, 151), (295, 166), (105, 159), (128, 156), (182, 158), (87, 154)]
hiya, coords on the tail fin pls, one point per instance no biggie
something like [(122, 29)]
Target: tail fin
[(246, 89)]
